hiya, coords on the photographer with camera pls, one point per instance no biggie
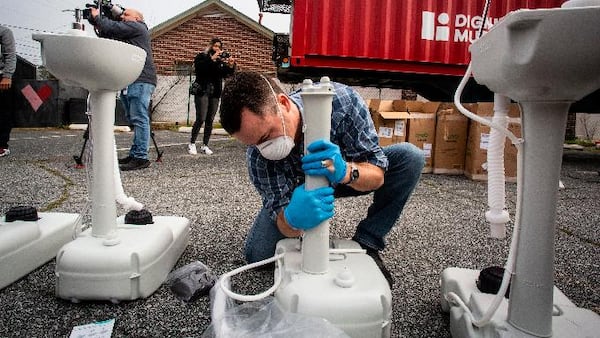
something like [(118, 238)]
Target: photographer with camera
[(211, 66), (128, 26)]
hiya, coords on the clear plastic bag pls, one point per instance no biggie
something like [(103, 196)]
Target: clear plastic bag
[(262, 319), (191, 281)]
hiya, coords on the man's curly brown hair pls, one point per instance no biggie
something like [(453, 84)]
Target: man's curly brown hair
[(246, 90)]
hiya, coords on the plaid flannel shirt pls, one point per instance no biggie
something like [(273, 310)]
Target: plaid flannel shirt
[(351, 129)]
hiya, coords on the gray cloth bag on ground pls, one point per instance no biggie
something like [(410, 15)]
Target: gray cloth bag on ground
[(191, 281)]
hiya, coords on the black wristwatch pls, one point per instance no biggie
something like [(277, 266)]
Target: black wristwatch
[(354, 173)]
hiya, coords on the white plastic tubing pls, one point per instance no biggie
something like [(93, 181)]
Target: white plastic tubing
[(225, 282), (127, 202), (511, 260), (497, 215)]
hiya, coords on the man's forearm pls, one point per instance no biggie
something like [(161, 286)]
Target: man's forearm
[(370, 178), (285, 228)]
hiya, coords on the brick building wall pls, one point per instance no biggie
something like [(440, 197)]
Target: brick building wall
[(180, 45), (174, 51)]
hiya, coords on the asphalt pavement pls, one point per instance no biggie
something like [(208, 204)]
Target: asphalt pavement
[(443, 225)]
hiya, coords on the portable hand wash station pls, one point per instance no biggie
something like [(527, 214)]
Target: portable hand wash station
[(335, 280), (26, 244), (29, 239), (545, 59), (341, 284), (112, 261)]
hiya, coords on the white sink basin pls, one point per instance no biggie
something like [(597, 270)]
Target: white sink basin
[(90, 62), (541, 55)]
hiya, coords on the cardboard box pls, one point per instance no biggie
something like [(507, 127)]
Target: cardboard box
[(376, 106), (450, 142), (392, 127), (386, 105), (477, 144), (389, 124), (408, 106), (421, 131), (398, 121)]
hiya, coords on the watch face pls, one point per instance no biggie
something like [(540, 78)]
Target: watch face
[(354, 174)]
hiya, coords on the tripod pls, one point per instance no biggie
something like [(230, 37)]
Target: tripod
[(86, 135), (79, 159)]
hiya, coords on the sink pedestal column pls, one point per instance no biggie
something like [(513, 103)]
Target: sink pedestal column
[(530, 307), (104, 210)]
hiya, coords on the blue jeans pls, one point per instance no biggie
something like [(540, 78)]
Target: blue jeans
[(136, 104), (406, 162)]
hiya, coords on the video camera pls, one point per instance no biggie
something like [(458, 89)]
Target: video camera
[(224, 55), (106, 8)]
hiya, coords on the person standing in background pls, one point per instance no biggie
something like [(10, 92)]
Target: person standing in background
[(211, 66), (130, 28), (8, 64)]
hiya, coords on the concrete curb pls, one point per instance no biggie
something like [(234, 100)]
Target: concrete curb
[(82, 126), (215, 131)]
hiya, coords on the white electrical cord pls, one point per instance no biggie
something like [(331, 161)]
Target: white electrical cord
[(79, 227), (250, 298), (511, 260), (515, 140), (225, 278)]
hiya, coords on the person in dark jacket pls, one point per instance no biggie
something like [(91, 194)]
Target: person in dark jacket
[(211, 66), (130, 28), (8, 64)]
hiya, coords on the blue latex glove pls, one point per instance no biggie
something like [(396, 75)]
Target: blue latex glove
[(308, 208), (321, 150)]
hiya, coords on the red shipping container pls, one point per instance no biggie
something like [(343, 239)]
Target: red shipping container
[(408, 36)]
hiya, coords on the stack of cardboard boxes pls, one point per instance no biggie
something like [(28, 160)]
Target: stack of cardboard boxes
[(452, 143), (399, 121), (451, 140)]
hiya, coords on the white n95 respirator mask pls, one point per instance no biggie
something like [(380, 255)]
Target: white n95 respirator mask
[(277, 148), (281, 146)]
